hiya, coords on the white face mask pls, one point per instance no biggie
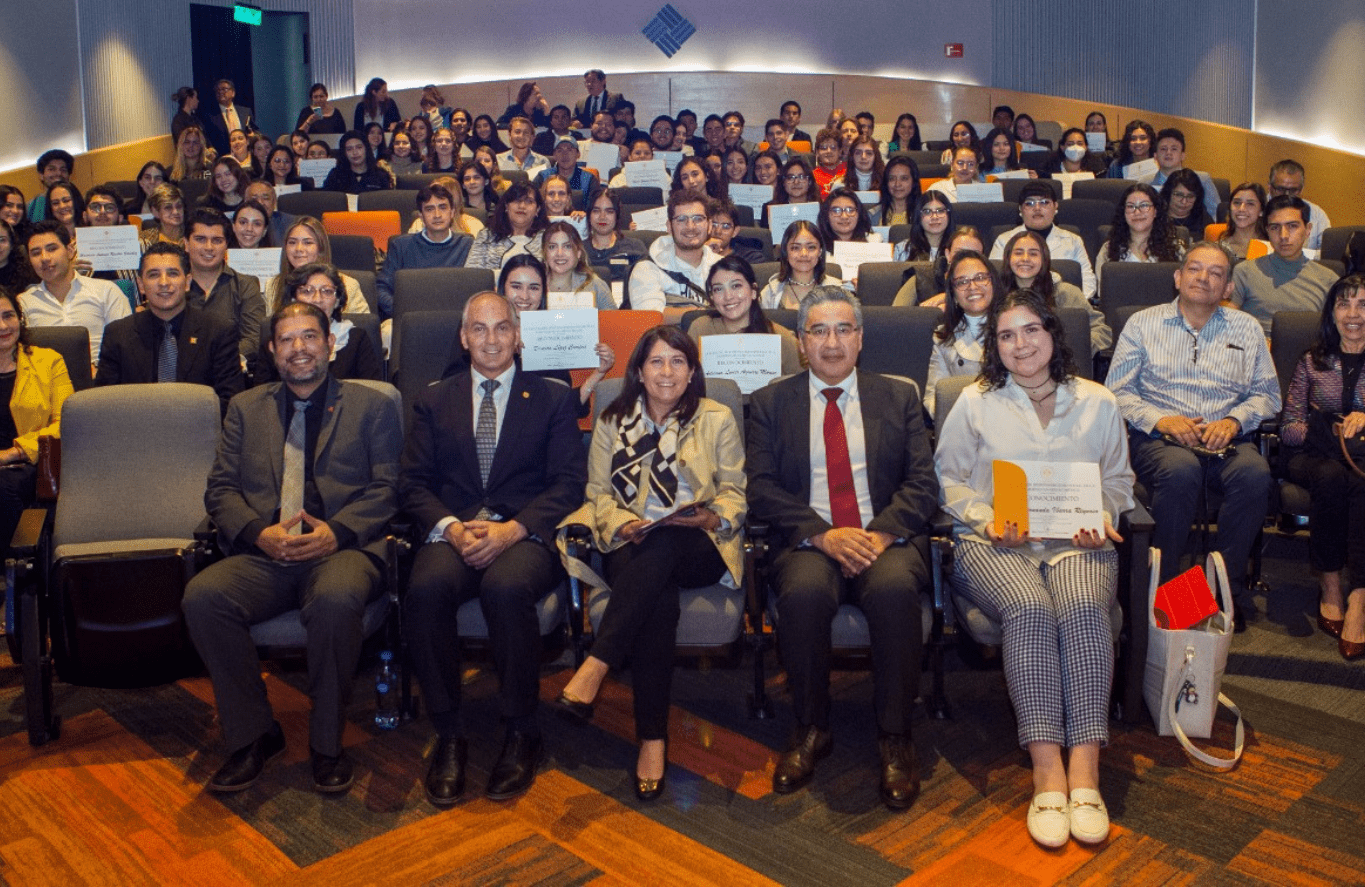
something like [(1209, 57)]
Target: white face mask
[(1074, 153)]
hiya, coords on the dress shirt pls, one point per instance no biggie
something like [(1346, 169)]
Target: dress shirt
[(1002, 424), (533, 161), (501, 395), (230, 118), (91, 303), (1061, 244), (850, 404), (1163, 367)]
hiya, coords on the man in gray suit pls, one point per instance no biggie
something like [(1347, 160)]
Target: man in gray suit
[(303, 486), (840, 468)]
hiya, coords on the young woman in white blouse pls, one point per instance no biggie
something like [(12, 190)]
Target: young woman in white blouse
[(802, 267)]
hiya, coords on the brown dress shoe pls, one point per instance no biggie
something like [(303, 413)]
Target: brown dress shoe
[(1350, 650), (797, 766), (900, 770)]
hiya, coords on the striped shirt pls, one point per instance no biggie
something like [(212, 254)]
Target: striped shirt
[(1164, 367)]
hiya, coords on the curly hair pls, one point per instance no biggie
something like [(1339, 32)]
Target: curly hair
[(1161, 241), (1061, 368)]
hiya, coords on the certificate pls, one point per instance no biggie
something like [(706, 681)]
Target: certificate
[(671, 159), (601, 156), (868, 198), (1097, 141), (1067, 178), (1010, 174), (655, 219), (114, 248), (646, 174), (316, 169), (580, 225), (752, 196), (750, 360), (1029, 146), (559, 340), (1142, 171), (781, 216), (353, 203), (1049, 500), (287, 189), (560, 300), (986, 192), (263, 263), (850, 255)]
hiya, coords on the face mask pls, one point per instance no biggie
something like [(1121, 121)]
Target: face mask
[(1074, 153)]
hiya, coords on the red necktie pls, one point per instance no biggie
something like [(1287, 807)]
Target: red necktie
[(843, 498)]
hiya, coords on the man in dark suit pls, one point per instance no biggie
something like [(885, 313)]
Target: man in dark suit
[(839, 466), (304, 484), (597, 99), (220, 121), (494, 461), (202, 348)]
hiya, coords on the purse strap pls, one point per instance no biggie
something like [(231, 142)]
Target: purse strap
[(1182, 675)]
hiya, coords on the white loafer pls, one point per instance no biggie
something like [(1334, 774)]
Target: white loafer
[(1089, 816), (1049, 820)]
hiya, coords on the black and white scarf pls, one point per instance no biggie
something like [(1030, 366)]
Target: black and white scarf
[(635, 453)]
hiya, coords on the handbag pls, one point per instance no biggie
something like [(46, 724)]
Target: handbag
[(48, 479), (1184, 669), (1352, 448)]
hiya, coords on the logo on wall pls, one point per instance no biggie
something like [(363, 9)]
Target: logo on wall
[(668, 30)]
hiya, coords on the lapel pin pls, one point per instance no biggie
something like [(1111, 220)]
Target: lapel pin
[(194, 340), (526, 394)]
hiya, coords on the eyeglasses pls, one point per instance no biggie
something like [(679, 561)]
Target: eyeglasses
[(1037, 202), (689, 220), (978, 279), (796, 177), (1137, 207), (931, 211), (843, 210), (327, 292), (100, 209), (840, 330), (723, 226)]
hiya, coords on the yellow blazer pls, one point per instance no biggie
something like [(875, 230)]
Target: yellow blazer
[(710, 459), (41, 386)]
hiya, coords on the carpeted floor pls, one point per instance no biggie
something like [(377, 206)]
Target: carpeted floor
[(118, 798)]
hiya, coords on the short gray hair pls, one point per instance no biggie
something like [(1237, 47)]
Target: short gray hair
[(511, 308), (823, 295), (1213, 245)]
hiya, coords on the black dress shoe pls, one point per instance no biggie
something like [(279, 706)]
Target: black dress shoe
[(651, 789), (331, 775), (516, 767), (445, 778), (244, 767), (1239, 621), (797, 766), (900, 771), (574, 709)]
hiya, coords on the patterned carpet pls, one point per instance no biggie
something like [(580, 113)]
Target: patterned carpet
[(118, 798)]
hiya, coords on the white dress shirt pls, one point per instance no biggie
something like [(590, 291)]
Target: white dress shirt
[(91, 302), (501, 395), (850, 404)]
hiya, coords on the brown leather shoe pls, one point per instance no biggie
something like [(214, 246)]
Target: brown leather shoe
[(797, 766), (900, 770), (1331, 627), (1350, 650)]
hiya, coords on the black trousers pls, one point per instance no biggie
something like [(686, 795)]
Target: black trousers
[(640, 623), (1336, 516), (810, 588), (508, 591)]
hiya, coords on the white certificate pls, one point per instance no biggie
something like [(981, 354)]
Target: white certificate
[(579, 225), (868, 198), (646, 174), (353, 203), (671, 159), (1061, 497), (1029, 146), (781, 216), (559, 340), (752, 196), (601, 156), (1010, 174), (264, 263), (580, 299), (316, 169), (655, 219), (1067, 178), (287, 189), (114, 248), (984, 192), (849, 255), (751, 360), (1097, 141), (1142, 171)]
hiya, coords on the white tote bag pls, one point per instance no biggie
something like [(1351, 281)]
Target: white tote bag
[(1185, 668)]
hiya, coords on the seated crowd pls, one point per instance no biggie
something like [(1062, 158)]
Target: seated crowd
[(840, 464)]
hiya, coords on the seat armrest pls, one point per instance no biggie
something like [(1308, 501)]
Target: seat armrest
[(941, 524), (207, 532), (28, 535), (578, 539), (1136, 520)]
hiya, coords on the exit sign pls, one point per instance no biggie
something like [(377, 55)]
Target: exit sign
[(952, 50), (247, 15)]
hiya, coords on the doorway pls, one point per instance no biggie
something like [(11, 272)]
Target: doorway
[(268, 63)]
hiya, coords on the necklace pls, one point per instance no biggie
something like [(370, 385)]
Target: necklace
[(1042, 399), (1032, 387), (1028, 388)]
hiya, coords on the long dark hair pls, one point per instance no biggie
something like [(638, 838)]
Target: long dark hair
[(371, 99), (1160, 242), (953, 316), (920, 248), (1328, 343), (13, 299), (850, 177), (524, 260), (975, 142), (988, 149), (497, 221), (299, 278), (910, 199), (758, 321), (1190, 180), (784, 268), (716, 186), (812, 189), (343, 164), (77, 204), (17, 273), (915, 144), (633, 385), (1126, 154), (1042, 284), (1257, 189), (1061, 368), (860, 230)]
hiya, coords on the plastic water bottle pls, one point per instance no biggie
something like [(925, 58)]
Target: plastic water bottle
[(386, 693)]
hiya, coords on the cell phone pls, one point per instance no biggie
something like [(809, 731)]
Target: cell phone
[(317, 112)]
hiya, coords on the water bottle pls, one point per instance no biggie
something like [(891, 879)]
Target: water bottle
[(386, 693)]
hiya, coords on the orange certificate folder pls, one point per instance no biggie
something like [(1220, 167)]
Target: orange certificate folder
[(1048, 500)]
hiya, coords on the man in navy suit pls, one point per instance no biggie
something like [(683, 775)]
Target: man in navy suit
[(134, 350), (494, 461), (839, 466), (220, 121)]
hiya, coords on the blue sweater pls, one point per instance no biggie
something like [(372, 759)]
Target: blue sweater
[(416, 251)]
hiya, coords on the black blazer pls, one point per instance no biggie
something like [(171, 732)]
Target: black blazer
[(539, 470), (216, 130), (901, 473), (609, 102), (206, 352)]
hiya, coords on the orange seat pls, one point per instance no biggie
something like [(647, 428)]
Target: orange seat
[(1214, 232), (925, 183), (379, 225), (621, 330), (1257, 248)]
